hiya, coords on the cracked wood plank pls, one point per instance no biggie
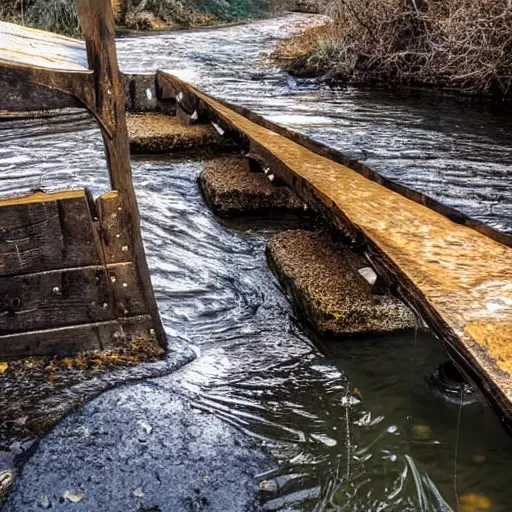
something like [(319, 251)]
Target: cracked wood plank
[(46, 232)]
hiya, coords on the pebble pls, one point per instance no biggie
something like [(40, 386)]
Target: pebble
[(45, 502), (74, 496), (138, 493)]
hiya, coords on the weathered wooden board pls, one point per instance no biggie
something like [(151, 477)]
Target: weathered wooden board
[(98, 27), (46, 232), (36, 48), (115, 240), (68, 297), (71, 340), (459, 279), (55, 268)]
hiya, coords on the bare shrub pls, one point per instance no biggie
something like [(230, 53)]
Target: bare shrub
[(464, 45), (54, 15)]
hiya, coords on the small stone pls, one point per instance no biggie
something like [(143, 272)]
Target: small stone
[(368, 274), (45, 503), (138, 493), (147, 428), (19, 422), (268, 485), (6, 479), (74, 496)]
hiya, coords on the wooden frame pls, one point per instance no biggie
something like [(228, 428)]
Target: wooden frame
[(35, 80)]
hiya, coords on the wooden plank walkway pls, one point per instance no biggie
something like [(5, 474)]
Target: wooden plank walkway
[(458, 279)]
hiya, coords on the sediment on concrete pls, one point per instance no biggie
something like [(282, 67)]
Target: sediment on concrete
[(322, 278), (161, 133), (231, 189), (43, 379)]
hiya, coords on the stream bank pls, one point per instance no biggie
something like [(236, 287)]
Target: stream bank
[(457, 48)]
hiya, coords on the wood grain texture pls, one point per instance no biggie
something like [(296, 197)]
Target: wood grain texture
[(36, 48), (60, 298), (459, 279), (97, 22), (45, 242), (66, 341), (40, 232), (116, 243)]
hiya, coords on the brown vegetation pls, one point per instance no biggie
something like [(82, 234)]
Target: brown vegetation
[(464, 45)]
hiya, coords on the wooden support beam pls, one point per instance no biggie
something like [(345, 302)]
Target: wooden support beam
[(97, 22), (65, 341)]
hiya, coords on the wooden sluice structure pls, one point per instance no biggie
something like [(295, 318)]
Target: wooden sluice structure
[(455, 272), (73, 272)]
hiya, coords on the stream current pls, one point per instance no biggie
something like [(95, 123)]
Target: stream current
[(350, 425)]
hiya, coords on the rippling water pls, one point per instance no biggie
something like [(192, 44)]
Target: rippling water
[(458, 153), (355, 425)]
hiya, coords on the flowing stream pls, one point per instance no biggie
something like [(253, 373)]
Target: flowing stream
[(350, 425)]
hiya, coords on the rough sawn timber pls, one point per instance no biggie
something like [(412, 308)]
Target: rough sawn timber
[(58, 240), (458, 279), (64, 272)]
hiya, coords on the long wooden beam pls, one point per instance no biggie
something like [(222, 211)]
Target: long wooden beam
[(98, 27), (458, 279)]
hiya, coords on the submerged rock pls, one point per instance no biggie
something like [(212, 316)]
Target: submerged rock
[(323, 279), (231, 188)]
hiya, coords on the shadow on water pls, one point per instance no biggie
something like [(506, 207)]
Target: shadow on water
[(354, 425)]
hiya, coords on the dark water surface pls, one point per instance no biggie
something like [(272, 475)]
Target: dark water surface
[(355, 426)]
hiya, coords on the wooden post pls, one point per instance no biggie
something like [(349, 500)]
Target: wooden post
[(97, 20)]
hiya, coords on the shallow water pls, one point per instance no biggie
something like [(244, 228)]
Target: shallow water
[(353, 426)]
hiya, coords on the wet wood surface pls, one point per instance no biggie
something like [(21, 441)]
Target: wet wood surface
[(458, 279), (37, 48)]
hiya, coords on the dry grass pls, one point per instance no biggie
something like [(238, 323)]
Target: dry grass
[(464, 45)]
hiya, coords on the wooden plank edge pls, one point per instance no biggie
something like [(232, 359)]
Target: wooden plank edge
[(338, 157), (67, 341), (42, 197), (472, 359)]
